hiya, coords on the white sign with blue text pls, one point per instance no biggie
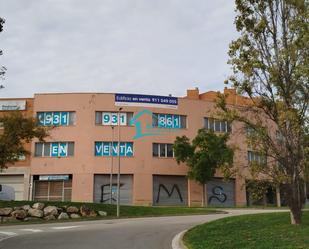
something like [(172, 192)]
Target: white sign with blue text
[(169, 121), (10, 105), (53, 177), (53, 118), (111, 148), (146, 100), (111, 118)]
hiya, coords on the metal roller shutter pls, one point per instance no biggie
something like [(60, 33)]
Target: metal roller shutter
[(102, 189), (170, 190), (221, 193), (12, 187)]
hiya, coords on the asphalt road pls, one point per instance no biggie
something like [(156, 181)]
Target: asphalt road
[(140, 233)]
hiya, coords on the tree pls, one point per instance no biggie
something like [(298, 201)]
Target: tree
[(207, 153), (2, 69), (270, 62), (17, 130)]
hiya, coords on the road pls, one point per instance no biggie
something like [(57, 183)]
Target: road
[(140, 233)]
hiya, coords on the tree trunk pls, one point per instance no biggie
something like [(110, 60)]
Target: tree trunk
[(295, 216), (278, 197), (296, 202)]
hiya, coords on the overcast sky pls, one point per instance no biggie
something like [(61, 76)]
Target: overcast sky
[(126, 46)]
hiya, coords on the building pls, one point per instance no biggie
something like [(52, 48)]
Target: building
[(15, 180), (75, 162)]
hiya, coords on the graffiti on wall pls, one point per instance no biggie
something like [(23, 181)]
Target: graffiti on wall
[(218, 194), (106, 192), (169, 193)]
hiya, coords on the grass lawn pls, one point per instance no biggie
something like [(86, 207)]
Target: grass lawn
[(125, 211), (258, 231)]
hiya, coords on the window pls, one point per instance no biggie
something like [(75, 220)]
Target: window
[(54, 149), (256, 157), (111, 148), (52, 190), (162, 150), (155, 150), (46, 151), (172, 121), (111, 118), (169, 150), (56, 118), (217, 125)]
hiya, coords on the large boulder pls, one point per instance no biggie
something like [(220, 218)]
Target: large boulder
[(63, 216), (38, 205), (102, 213), (87, 212), (93, 214), (19, 214), (35, 212), (49, 217), (50, 210), (74, 216), (72, 209), (26, 207), (5, 211)]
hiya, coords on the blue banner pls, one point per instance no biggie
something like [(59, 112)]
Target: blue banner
[(146, 100), (109, 148)]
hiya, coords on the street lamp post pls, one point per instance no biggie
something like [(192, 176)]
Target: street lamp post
[(118, 175), (112, 163)]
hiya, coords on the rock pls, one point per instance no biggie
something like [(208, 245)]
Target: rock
[(50, 210), (49, 217), (5, 211), (74, 216), (85, 211), (26, 207), (19, 214), (35, 212), (38, 205), (63, 216), (93, 213), (72, 209), (102, 213)]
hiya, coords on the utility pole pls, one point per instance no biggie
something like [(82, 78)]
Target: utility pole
[(112, 165), (118, 175)]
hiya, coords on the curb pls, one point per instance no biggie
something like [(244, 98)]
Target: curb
[(177, 242)]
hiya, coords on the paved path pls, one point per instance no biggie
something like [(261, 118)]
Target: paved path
[(140, 233)]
